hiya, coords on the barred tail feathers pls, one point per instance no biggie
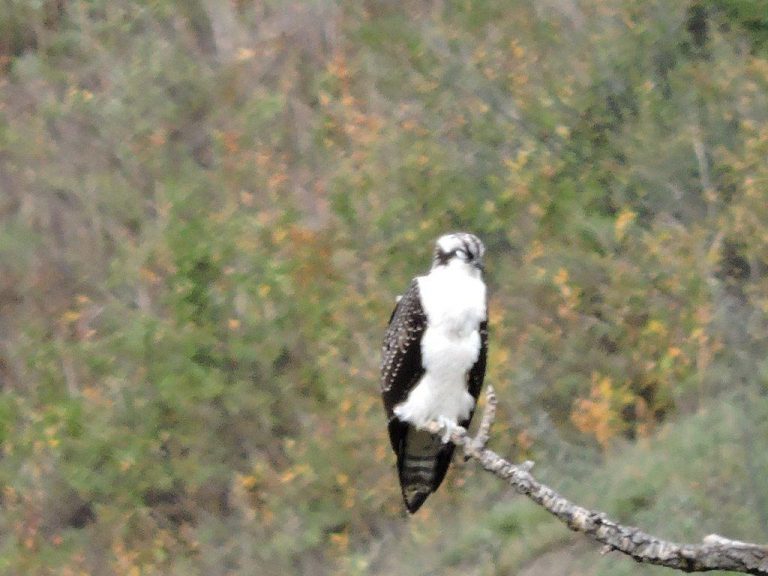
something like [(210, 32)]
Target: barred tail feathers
[(422, 462)]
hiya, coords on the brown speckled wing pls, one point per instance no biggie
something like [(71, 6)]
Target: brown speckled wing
[(401, 366)]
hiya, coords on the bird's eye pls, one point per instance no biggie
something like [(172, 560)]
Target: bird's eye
[(462, 254)]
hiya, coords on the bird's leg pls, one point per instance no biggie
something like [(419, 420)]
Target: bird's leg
[(448, 427)]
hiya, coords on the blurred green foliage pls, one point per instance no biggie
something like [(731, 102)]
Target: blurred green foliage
[(207, 209)]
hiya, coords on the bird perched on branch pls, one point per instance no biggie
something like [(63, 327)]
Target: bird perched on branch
[(433, 363)]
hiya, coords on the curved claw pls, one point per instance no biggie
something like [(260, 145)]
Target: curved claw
[(449, 428)]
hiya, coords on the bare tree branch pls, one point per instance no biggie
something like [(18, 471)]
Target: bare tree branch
[(714, 553)]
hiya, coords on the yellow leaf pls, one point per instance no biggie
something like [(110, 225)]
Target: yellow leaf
[(625, 218), (267, 516), (279, 235), (245, 54), (148, 275), (535, 251), (495, 316), (247, 482), (287, 476), (656, 327), (561, 278), (500, 356), (71, 316), (340, 540)]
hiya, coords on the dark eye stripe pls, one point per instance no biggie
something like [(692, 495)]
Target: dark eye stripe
[(468, 243), (466, 246)]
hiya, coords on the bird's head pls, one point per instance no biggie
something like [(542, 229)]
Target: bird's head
[(459, 249)]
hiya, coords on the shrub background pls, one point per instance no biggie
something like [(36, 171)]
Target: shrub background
[(207, 209)]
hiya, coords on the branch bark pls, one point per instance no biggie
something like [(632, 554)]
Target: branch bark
[(714, 552)]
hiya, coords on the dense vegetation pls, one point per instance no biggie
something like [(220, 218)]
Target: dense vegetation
[(207, 209)]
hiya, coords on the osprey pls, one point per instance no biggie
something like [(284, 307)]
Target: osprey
[(433, 362)]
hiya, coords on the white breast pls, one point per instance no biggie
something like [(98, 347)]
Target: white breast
[(453, 299)]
